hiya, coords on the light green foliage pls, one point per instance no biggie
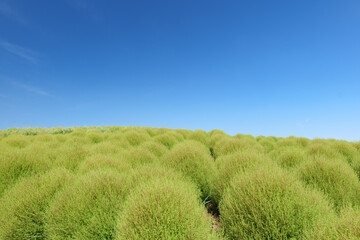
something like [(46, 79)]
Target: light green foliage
[(324, 149), (230, 145), (344, 227), (229, 165), (23, 206), (87, 209), (350, 153), (288, 157), (18, 163), (163, 209), (267, 143), (293, 142), (184, 132), (105, 147), (72, 183), (71, 154), (192, 159), (269, 204), (155, 148), (156, 131), (215, 136), (136, 137), (17, 141), (95, 137), (103, 161), (138, 156), (167, 139), (148, 172), (200, 136), (334, 178)]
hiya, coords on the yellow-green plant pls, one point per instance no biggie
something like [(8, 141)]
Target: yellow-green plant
[(163, 209)]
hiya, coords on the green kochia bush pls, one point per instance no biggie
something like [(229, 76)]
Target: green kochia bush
[(18, 141), (193, 160), (293, 142), (138, 156), (155, 148), (20, 163), (200, 136), (102, 161), (333, 177), (267, 143), (350, 153), (270, 204), (71, 154), (347, 150), (88, 208), (344, 227), (323, 149), (229, 165), (136, 137), (23, 206), (230, 145), (163, 209), (149, 172), (167, 139), (288, 157)]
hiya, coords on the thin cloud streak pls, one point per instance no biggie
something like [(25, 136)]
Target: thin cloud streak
[(22, 52), (31, 89)]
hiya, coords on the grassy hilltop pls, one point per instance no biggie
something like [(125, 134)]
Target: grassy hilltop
[(158, 183)]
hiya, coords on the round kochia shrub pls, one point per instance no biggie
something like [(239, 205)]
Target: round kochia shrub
[(102, 161), (23, 206), (288, 157), (148, 172), (17, 163), (293, 142), (155, 148), (136, 136), (138, 156), (347, 150), (333, 177), (200, 136), (166, 139), (163, 209), (322, 149), (269, 204), (88, 208), (193, 160), (18, 141), (267, 143), (344, 227), (231, 144), (229, 165)]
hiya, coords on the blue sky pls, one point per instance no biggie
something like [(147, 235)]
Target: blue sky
[(255, 67)]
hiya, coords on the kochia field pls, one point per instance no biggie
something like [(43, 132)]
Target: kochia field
[(159, 183)]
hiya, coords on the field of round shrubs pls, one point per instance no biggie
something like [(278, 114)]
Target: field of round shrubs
[(159, 183)]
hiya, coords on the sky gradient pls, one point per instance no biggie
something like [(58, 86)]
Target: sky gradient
[(275, 68)]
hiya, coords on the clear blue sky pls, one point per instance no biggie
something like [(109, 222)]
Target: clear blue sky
[(255, 67)]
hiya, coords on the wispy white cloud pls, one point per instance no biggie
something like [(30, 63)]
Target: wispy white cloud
[(31, 89), (19, 51)]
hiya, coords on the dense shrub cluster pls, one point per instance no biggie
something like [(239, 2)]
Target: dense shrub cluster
[(267, 203), (163, 209), (160, 183)]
